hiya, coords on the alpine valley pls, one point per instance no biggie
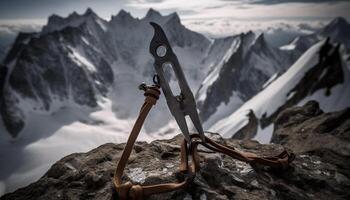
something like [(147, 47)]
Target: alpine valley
[(73, 86)]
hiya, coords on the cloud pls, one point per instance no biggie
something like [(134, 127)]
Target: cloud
[(185, 8), (248, 9), (227, 27), (269, 2), (10, 29), (146, 1), (30, 9), (14, 29)]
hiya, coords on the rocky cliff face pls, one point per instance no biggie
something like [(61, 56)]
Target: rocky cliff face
[(337, 30), (320, 170), (240, 74), (309, 129), (320, 74)]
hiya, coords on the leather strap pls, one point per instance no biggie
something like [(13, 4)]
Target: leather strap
[(138, 192)]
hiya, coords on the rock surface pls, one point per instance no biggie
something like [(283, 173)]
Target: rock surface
[(320, 170), (248, 131), (309, 130)]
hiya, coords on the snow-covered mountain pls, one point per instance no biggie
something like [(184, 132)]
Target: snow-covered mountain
[(73, 86), (338, 30), (74, 61), (253, 64), (320, 74), (240, 66)]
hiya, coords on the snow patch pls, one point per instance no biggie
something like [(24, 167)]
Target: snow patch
[(224, 110), (81, 60), (264, 135), (102, 25), (85, 40), (271, 79), (228, 128), (216, 67), (288, 47), (290, 95)]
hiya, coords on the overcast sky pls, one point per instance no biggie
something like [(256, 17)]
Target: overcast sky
[(187, 9)]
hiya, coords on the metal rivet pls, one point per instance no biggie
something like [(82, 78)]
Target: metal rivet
[(161, 51)]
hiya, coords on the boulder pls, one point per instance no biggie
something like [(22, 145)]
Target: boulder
[(89, 175)]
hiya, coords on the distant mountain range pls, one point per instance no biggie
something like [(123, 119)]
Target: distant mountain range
[(76, 60), (102, 55), (89, 58)]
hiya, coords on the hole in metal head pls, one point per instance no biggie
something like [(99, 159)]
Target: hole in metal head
[(161, 51), (171, 78)]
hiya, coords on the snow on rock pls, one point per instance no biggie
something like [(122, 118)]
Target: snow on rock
[(268, 82), (272, 97), (304, 81), (338, 30), (89, 58), (219, 53), (238, 75), (81, 60), (226, 127)]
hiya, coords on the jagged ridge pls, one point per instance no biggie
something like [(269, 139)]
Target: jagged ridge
[(240, 76), (80, 58)]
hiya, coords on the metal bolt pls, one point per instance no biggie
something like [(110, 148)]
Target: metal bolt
[(143, 86)]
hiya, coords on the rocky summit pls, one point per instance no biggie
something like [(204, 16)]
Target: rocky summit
[(319, 171)]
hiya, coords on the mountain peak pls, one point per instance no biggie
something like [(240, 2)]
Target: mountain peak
[(337, 26), (174, 17), (54, 17), (53, 21), (123, 14), (56, 22), (123, 17), (248, 34), (74, 15), (89, 12), (151, 13), (260, 39), (339, 21), (260, 42)]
